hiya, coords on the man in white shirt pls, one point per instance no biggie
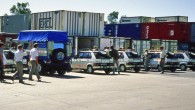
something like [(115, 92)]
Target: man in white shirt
[(34, 63), (162, 59), (19, 65)]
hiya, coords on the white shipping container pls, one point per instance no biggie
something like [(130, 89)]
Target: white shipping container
[(139, 19), (75, 23), (172, 19)]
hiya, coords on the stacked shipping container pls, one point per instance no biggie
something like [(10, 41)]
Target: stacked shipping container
[(166, 31), (75, 23)]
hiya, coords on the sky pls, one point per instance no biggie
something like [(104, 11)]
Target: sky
[(130, 8)]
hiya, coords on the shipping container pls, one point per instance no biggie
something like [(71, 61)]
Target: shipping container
[(140, 45), (110, 30), (6, 38), (150, 31), (167, 31), (138, 19), (169, 45), (192, 47), (133, 31), (75, 23), (16, 23), (172, 19), (117, 42), (183, 47), (192, 34), (87, 42)]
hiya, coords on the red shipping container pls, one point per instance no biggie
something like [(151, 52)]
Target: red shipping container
[(167, 31), (150, 31)]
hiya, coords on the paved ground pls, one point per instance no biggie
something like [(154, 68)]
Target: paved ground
[(80, 91)]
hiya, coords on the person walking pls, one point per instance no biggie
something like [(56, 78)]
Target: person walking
[(114, 54), (2, 75), (19, 64), (34, 63), (162, 58), (146, 59)]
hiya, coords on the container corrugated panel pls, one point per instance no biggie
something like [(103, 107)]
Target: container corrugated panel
[(167, 31), (132, 31), (183, 46), (75, 23), (109, 29), (93, 24), (192, 34), (174, 31), (172, 19), (150, 31), (16, 23)]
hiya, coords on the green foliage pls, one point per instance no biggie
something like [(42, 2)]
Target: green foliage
[(112, 17), (20, 8)]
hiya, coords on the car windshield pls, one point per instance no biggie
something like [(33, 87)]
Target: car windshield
[(58, 45), (132, 55), (101, 55), (154, 55), (191, 55)]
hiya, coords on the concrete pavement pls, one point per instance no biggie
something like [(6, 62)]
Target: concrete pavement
[(80, 91)]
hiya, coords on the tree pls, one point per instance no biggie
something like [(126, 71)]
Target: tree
[(112, 17), (20, 8)]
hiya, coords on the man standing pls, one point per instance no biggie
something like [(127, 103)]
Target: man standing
[(162, 58), (146, 59), (114, 54), (19, 64), (34, 63), (1, 62)]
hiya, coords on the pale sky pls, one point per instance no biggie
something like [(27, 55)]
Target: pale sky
[(151, 8)]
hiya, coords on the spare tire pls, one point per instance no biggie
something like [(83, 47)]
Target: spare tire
[(58, 56)]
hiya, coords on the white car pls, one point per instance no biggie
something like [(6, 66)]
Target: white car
[(10, 63), (171, 63), (183, 60), (89, 61), (130, 60), (191, 63)]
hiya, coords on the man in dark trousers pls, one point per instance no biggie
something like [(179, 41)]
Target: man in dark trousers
[(114, 54), (1, 62)]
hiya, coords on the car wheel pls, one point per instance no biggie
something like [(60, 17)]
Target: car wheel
[(107, 71), (90, 69), (137, 70), (58, 56), (41, 69), (61, 72), (122, 68), (183, 67), (173, 70)]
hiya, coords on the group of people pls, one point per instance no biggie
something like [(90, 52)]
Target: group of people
[(162, 59), (18, 57)]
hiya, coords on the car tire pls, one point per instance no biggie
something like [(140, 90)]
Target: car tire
[(122, 68), (137, 70), (107, 71), (183, 67), (58, 56), (61, 72), (90, 69), (173, 70)]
